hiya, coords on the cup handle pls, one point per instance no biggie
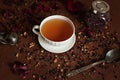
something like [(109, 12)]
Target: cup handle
[(34, 29)]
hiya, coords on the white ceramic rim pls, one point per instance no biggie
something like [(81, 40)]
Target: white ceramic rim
[(58, 17), (57, 49)]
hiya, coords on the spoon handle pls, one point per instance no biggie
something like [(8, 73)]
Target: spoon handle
[(77, 71)]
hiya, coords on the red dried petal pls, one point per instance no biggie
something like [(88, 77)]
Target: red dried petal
[(45, 0), (16, 28), (38, 8), (27, 11), (13, 2), (55, 6), (20, 69), (88, 32), (9, 14), (46, 8), (74, 5)]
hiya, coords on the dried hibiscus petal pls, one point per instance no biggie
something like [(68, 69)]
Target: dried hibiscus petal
[(13, 2), (27, 11), (9, 14), (17, 28), (45, 0), (74, 5), (88, 32), (38, 8), (46, 8), (20, 69), (55, 6)]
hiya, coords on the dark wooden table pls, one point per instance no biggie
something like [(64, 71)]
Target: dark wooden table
[(112, 72)]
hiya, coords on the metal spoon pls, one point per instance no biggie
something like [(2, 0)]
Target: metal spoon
[(8, 38), (110, 57)]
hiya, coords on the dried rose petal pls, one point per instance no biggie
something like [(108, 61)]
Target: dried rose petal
[(74, 6), (13, 2), (9, 14), (55, 6), (88, 32), (41, 7), (27, 11), (46, 8), (38, 8), (20, 69), (45, 0), (16, 28)]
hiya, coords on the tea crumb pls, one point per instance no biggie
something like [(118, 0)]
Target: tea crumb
[(25, 33), (55, 60), (32, 44), (17, 55)]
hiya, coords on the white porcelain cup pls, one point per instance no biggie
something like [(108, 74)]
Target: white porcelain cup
[(51, 42)]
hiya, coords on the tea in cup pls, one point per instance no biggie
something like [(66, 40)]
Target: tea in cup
[(56, 31)]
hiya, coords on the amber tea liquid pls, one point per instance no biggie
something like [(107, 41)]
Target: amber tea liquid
[(57, 30)]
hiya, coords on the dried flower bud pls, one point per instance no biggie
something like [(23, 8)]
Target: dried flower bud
[(74, 6), (20, 69)]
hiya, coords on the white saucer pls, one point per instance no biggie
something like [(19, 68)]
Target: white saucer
[(57, 49)]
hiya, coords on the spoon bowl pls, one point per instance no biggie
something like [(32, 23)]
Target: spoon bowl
[(112, 55), (11, 38)]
